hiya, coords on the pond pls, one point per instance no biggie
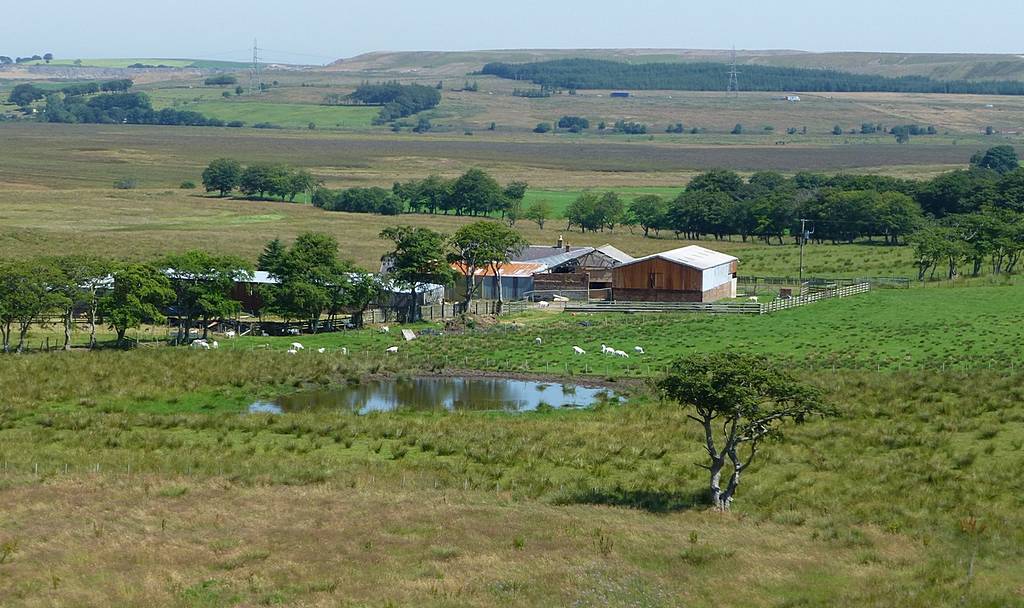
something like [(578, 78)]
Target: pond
[(424, 394)]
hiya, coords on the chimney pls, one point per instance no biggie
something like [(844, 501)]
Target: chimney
[(560, 242), (567, 247)]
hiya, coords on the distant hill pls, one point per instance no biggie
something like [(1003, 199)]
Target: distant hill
[(939, 66)]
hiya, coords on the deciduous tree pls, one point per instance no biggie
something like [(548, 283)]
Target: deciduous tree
[(739, 400)]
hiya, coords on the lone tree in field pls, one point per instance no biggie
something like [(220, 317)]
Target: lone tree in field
[(739, 400)]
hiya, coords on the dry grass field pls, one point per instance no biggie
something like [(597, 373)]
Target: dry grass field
[(144, 224), (74, 156), (95, 541)]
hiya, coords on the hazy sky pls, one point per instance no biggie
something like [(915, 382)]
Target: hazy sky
[(318, 31)]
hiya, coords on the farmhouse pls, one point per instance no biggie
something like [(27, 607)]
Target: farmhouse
[(687, 274)]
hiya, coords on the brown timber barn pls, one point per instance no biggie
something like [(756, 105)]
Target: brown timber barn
[(687, 274)]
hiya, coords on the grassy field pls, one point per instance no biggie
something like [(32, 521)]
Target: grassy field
[(70, 156), (872, 508), (209, 101), (938, 328), (144, 224), (136, 478)]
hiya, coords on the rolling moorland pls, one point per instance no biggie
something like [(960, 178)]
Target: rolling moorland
[(136, 477)]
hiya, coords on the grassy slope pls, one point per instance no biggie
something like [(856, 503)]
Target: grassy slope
[(936, 328), (145, 224), (864, 509)]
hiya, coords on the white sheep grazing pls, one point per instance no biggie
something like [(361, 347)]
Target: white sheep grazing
[(543, 305), (214, 344), (639, 350), (753, 299), (622, 353), (229, 334), (203, 344), (385, 329), (344, 350), (321, 350), (605, 349), (393, 349), (292, 351), (297, 346), (538, 341), (578, 350)]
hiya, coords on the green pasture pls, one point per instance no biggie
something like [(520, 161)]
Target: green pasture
[(561, 199), (937, 327)]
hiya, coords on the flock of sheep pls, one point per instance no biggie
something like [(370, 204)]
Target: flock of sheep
[(295, 347), (605, 350)]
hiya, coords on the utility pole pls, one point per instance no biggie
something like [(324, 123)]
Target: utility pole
[(804, 235)]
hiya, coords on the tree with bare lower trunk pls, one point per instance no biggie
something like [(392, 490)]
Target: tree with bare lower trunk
[(739, 401)]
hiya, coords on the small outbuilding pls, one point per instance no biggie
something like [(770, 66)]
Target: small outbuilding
[(687, 274)]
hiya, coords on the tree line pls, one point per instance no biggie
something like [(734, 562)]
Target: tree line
[(708, 76), (473, 193), (25, 94), (196, 285), (119, 108), (396, 100), (258, 180), (5, 60), (839, 208)]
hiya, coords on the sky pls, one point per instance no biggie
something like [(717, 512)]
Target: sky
[(319, 31)]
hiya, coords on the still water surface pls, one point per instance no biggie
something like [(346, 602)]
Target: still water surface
[(468, 394)]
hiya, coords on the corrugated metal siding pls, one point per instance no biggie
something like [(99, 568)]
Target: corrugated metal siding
[(713, 277)]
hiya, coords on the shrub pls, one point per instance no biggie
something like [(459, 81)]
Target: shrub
[(542, 127), (127, 183), (188, 185)]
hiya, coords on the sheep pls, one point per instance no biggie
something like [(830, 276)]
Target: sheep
[(538, 341), (543, 305), (297, 346), (639, 350), (393, 349), (753, 299), (294, 331), (606, 349), (214, 344), (578, 350), (321, 350), (622, 353), (385, 329), (203, 344), (229, 334), (344, 350), (292, 351)]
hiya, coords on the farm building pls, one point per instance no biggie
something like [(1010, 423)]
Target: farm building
[(516, 281), (687, 274), (249, 292), (542, 271)]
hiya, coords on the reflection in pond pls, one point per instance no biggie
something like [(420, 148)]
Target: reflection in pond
[(476, 394)]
